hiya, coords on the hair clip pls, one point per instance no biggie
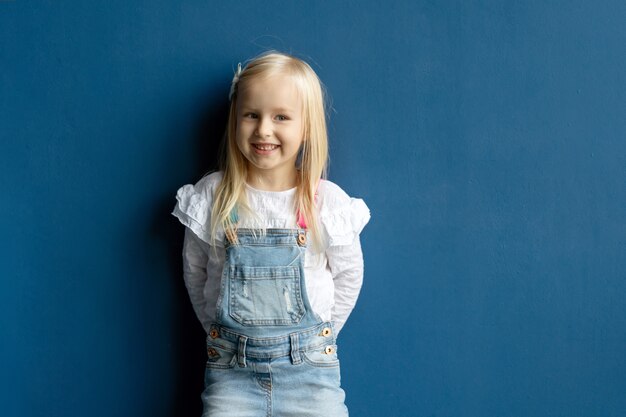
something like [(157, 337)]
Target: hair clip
[(233, 85)]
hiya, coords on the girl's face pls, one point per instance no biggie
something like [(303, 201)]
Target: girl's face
[(270, 127)]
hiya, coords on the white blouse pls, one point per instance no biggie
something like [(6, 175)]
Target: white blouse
[(333, 278)]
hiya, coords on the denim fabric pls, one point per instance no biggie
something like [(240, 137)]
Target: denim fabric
[(268, 353)]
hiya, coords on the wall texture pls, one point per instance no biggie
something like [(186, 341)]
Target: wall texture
[(487, 138)]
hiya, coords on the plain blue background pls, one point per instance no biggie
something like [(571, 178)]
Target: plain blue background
[(487, 138)]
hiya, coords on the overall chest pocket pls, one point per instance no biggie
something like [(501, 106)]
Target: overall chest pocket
[(265, 295)]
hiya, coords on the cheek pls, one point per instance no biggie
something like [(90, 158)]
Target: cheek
[(299, 132), (295, 133), (240, 142), (240, 133)]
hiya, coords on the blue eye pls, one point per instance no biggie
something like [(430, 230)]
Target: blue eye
[(281, 117), (250, 115)]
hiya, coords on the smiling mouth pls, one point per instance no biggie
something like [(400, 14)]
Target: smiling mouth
[(265, 147)]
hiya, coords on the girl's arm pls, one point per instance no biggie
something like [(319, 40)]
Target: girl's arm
[(346, 266), (195, 258)]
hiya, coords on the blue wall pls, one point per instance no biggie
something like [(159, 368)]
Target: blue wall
[(487, 137)]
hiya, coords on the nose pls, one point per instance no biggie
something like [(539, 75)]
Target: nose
[(264, 127)]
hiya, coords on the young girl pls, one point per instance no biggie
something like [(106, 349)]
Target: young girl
[(272, 259)]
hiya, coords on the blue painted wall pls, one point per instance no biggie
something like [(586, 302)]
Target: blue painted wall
[(487, 137)]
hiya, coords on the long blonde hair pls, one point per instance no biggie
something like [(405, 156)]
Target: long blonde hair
[(231, 192)]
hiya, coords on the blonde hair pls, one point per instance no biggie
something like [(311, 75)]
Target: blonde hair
[(230, 193)]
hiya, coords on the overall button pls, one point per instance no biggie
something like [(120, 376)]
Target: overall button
[(214, 333), (329, 350), (326, 332), (301, 239)]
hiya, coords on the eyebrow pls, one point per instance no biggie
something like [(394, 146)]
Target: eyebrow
[(278, 109), (284, 109)]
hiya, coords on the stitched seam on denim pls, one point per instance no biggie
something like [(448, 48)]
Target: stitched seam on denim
[(220, 296), (332, 364), (276, 231), (300, 258), (269, 244), (263, 272), (232, 336), (269, 392), (262, 381), (216, 365), (266, 322), (258, 353)]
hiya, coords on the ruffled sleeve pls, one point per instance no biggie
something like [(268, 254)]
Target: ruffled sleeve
[(194, 203), (342, 217)]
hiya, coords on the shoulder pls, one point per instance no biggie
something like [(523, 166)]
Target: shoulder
[(332, 198), (208, 183), (331, 194), (203, 189), (194, 203), (342, 217)]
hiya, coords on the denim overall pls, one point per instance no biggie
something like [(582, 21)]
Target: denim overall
[(269, 353)]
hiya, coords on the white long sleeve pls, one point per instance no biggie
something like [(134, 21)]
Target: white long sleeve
[(346, 266), (195, 258)]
